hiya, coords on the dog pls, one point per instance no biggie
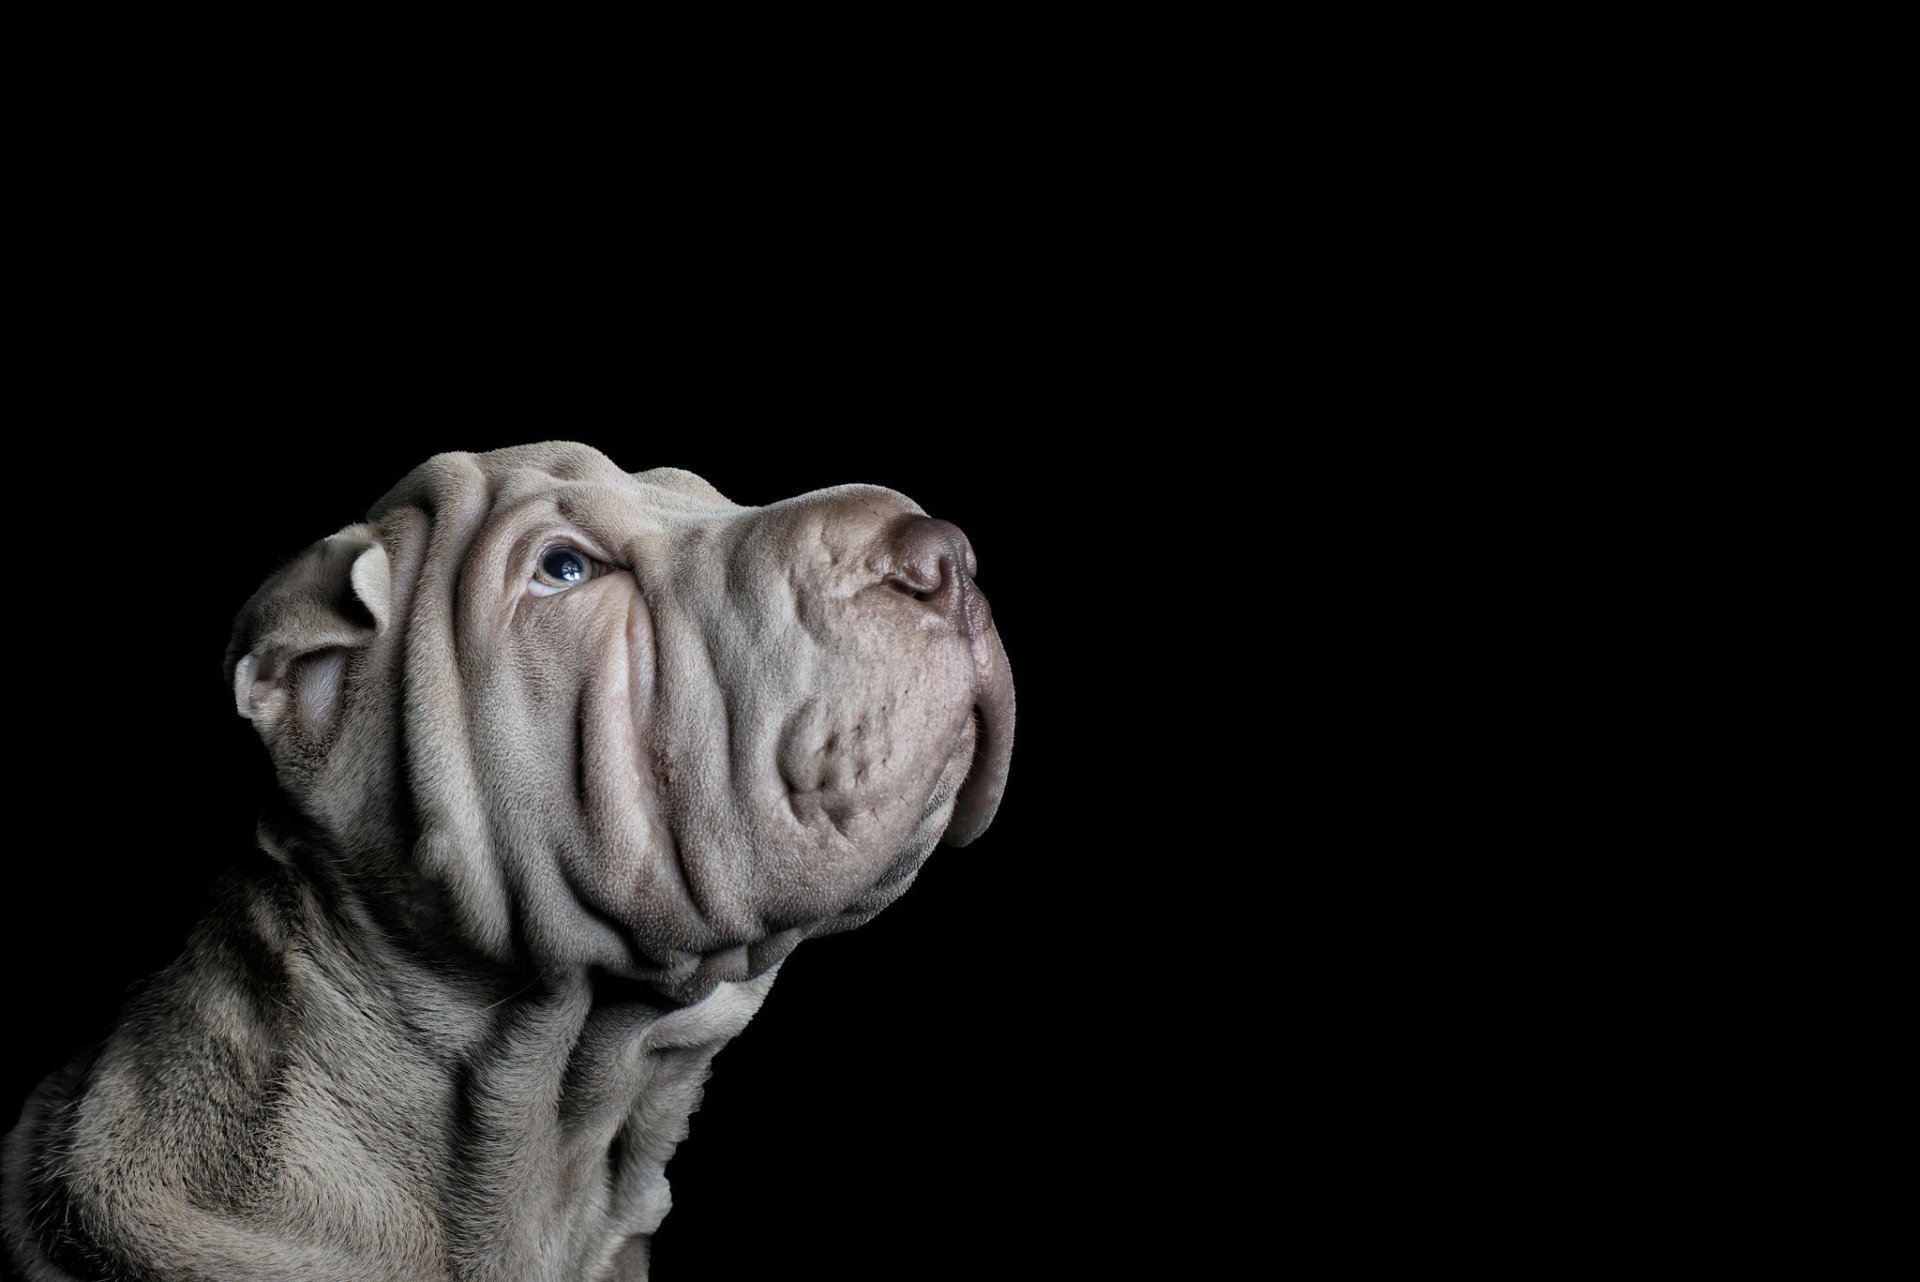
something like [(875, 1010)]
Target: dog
[(568, 760)]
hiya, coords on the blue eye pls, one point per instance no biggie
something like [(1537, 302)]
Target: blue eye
[(565, 564), (559, 569)]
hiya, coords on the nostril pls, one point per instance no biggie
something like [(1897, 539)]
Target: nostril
[(932, 562), (907, 585)]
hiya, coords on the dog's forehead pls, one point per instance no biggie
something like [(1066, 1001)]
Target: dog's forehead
[(496, 478)]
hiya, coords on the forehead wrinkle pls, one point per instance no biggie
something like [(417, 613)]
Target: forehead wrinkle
[(615, 516)]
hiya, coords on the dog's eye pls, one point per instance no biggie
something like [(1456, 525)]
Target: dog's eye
[(559, 569)]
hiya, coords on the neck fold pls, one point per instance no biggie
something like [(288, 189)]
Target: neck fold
[(304, 1074)]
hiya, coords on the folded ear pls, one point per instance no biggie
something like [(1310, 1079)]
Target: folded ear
[(289, 650)]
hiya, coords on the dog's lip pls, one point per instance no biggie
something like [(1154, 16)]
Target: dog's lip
[(986, 782)]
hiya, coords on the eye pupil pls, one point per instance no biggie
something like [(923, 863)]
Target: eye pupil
[(564, 565)]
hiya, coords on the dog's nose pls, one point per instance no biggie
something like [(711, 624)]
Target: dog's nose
[(933, 561)]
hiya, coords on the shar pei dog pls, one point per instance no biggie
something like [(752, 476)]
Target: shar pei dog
[(568, 760)]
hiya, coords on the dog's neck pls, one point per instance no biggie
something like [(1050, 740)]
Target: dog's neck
[(494, 1126)]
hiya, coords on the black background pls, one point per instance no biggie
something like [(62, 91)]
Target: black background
[(981, 1065)]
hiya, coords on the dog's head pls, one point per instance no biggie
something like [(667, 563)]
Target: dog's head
[(559, 712)]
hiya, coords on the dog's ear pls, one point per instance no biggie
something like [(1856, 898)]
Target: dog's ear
[(289, 650)]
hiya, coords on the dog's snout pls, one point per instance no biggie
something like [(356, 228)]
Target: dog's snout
[(933, 561)]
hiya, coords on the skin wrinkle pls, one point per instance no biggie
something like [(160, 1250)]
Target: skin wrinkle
[(402, 799), (525, 527), (524, 881), (805, 610), (612, 927), (713, 669), (791, 731), (641, 755), (440, 625), (699, 895), (584, 528)]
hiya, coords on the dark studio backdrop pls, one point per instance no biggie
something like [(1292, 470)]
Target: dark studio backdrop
[(961, 1074)]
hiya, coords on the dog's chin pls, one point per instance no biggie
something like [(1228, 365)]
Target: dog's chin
[(694, 976), (690, 977)]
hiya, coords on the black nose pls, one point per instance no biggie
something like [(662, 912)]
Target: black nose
[(933, 562)]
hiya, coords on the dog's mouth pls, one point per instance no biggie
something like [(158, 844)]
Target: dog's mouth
[(979, 796)]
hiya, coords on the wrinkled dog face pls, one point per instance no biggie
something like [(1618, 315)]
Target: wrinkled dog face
[(555, 711)]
